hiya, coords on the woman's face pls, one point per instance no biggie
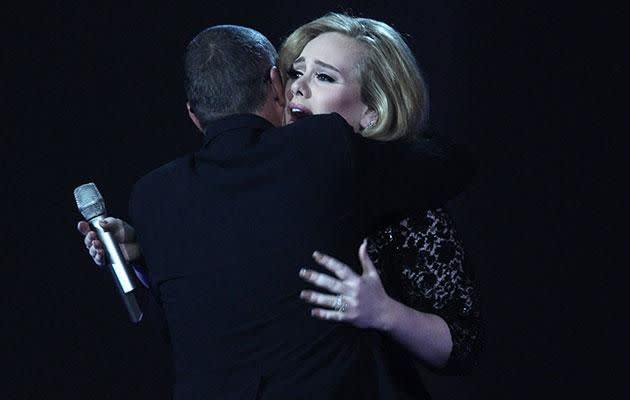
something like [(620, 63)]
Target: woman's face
[(324, 79)]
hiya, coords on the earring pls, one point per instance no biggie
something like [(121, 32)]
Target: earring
[(371, 124)]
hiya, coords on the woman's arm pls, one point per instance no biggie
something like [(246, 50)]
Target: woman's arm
[(430, 308), (423, 265), (425, 335), (361, 300)]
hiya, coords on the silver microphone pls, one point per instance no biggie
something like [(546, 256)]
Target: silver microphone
[(92, 206)]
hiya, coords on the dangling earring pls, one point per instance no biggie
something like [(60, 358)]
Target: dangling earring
[(371, 124)]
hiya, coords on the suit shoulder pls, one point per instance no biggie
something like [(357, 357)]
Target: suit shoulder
[(163, 175), (321, 126)]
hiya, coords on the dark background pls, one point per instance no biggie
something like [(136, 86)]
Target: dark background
[(94, 93)]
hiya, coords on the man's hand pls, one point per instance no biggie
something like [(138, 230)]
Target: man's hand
[(122, 232)]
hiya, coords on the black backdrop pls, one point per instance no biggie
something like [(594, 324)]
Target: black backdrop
[(94, 93)]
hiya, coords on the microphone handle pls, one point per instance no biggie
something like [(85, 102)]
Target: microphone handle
[(118, 267)]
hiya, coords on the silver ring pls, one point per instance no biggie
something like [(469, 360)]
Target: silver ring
[(339, 304)]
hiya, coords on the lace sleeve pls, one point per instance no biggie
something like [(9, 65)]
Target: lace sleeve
[(421, 263)]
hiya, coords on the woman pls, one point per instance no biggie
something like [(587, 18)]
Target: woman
[(363, 70)]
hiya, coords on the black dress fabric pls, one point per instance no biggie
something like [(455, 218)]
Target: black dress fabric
[(422, 264)]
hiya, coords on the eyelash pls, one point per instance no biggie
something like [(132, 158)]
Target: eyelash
[(324, 77), (295, 74)]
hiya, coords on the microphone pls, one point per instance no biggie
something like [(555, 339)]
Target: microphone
[(92, 206)]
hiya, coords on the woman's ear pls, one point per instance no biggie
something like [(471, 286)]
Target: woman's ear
[(369, 118)]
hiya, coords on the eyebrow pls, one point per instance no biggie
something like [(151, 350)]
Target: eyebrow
[(318, 62)]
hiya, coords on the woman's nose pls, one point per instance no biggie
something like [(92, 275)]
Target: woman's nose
[(299, 86)]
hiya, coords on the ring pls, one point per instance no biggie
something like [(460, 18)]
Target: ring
[(339, 304)]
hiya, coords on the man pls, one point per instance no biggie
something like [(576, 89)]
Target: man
[(225, 230)]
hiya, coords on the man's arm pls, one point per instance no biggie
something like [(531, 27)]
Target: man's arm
[(449, 168), (397, 178)]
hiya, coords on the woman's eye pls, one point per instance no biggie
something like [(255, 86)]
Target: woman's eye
[(323, 77), (293, 73)]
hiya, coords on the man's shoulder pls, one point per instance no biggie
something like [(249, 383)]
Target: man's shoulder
[(319, 127), (163, 176)]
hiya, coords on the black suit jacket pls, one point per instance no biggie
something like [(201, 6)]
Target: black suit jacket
[(225, 230)]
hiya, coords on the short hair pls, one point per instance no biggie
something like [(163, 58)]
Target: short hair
[(227, 71), (390, 79)]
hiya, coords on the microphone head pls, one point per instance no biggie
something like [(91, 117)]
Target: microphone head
[(89, 201)]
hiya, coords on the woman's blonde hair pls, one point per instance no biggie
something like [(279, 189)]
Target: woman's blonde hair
[(391, 82)]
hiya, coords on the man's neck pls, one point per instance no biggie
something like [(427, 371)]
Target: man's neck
[(271, 113)]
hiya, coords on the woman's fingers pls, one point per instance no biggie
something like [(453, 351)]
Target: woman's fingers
[(83, 227), (91, 242), (88, 238), (94, 246), (320, 299), (98, 255), (323, 281), (359, 300), (115, 227), (366, 261), (328, 314), (99, 259), (340, 269)]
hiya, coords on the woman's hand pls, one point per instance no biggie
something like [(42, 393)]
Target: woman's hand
[(122, 232), (358, 299), (361, 300)]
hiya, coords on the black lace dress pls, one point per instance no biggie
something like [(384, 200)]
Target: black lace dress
[(421, 262)]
